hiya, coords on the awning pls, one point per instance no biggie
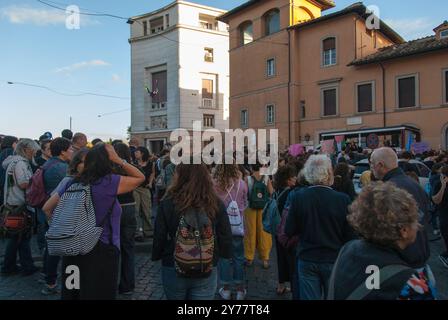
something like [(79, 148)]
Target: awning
[(332, 134)]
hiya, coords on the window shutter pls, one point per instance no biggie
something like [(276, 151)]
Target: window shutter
[(329, 44), (330, 102), (365, 99), (406, 92), (159, 82)]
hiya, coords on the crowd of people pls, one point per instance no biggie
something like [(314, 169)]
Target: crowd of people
[(212, 222)]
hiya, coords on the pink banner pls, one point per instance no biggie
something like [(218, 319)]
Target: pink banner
[(296, 150)]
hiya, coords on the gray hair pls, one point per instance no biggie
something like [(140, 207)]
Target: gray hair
[(318, 170), (24, 145)]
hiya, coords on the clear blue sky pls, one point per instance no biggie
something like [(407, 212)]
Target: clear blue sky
[(37, 48)]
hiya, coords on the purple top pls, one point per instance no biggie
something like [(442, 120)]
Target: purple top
[(104, 195)]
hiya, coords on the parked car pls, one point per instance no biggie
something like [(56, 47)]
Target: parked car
[(422, 171)]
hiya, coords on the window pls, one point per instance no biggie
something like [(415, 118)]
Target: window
[(303, 109), (209, 121), (365, 95), (156, 25), (329, 102), (208, 54), (270, 67), (445, 77), (272, 22), (444, 34), (270, 114), (208, 22), (167, 20), (244, 118), (145, 28), (407, 93), (159, 85), (207, 89), (246, 33), (329, 52)]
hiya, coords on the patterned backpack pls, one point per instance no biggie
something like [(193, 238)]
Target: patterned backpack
[(194, 245)]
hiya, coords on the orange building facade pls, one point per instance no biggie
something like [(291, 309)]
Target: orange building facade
[(315, 76)]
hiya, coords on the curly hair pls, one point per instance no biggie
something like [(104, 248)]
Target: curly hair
[(380, 211), (225, 175)]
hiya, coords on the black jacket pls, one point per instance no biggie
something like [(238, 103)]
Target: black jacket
[(350, 272), (417, 254), (167, 222), (318, 215)]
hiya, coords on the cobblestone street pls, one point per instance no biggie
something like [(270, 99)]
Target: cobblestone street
[(261, 283)]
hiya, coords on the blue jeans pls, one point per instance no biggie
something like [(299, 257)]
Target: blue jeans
[(18, 244), (178, 288), (236, 264), (313, 279), (51, 264)]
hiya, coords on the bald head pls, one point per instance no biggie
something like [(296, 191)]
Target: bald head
[(79, 140), (382, 161)]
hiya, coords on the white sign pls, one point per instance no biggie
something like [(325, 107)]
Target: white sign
[(354, 121)]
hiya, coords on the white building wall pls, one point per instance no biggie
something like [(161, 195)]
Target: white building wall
[(193, 69), (183, 57), (155, 53)]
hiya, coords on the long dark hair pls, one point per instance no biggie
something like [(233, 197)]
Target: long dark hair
[(124, 153), (341, 176), (96, 165), (77, 159), (192, 187)]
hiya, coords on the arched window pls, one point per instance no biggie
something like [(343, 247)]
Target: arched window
[(271, 22), (329, 51), (246, 33)]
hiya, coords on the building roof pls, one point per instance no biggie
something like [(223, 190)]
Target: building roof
[(326, 4), (410, 48), (444, 24), (360, 9), (172, 4)]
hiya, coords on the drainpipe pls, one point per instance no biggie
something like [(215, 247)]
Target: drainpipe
[(384, 93), (289, 86)]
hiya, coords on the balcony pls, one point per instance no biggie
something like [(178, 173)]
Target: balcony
[(208, 103)]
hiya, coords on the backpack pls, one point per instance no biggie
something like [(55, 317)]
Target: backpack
[(161, 180), (271, 215), (234, 214), (35, 194), (73, 229), (194, 246), (285, 241), (258, 193)]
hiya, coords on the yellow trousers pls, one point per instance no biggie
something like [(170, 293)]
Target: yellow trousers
[(256, 237)]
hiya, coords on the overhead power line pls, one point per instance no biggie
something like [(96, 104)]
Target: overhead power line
[(80, 94)]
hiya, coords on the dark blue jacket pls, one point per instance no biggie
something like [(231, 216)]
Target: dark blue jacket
[(417, 254), (54, 171), (318, 214)]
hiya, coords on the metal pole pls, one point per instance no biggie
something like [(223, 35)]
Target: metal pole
[(70, 123)]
